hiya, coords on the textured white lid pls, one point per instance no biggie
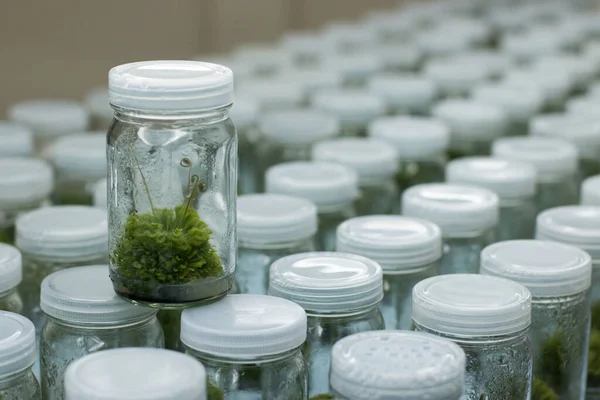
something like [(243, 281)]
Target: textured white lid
[(399, 365), (590, 191), (471, 119), (313, 79), (354, 66), (584, 106), (100, 194), (455, 77), (575, 225), (85, 295), (16, 140), (63, 232), (328, 185), (583, 132), (269, 219), (519, 103), (403, 56), (508, 179), (51, 117), (243, 326), (17, 343), (529, 45), (398, 244), (82, 154), (97, 103), (580, 68), (552, 158), (371, 159), (263, 57), (24, 182), (547, 269), (272, 93), (244, 112), (459, 210), (412, 137), (135, 374), (471, 305), (349, 105), (298, 126), (170, 86), (404, 91), (555, 85), (327, 282), (11, 267)]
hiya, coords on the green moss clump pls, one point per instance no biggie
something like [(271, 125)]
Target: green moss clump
[(541, 391), (322, 396), (553, 357), (593, 377), (214, 393)]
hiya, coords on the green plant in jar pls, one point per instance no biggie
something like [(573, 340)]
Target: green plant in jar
[(324, 396), (593, 377), (214, 393), (550, 376)]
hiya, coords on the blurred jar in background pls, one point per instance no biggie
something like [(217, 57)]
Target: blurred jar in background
[(11, 275), (590, 191), (455, 78), (271, 93), (263, 60), (101, 194), (581, 69), (244, 114), (348, 37), (355, 69), (16, 140), (526, 46), (306, 48), (398, 58), (554, 85), (494, 64), (101, 113), (405, 94), (312, 80)]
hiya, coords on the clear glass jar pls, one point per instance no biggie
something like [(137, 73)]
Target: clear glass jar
[(79, 161), (250, 345), (16, 140), (172, 163), (85, 316), (55, 238), (400, 365), (590, 191), (25, 184), (11, 275), (101, 113), (17, 356), (515, 184), (467, 216), (405, 94), (270, 226), (244, 115), (559, 278), (332, 187), (354, 108), (340, 293), (375, 163), (555, 161), (133, 373), (407, 249), (489, 317)]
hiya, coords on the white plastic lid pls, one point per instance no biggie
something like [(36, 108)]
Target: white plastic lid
[(471, 305), (412, 93), (471, 119), (170, 86), (52, 117), (520, 104), (529, 45), (399, 244), (244, 112), (64, 232), (11, 267), (583, 132), (24, 182), (436, 43), (17, 343), (135, 374), (298, 126), (547, 269), (555, 85), (85, 295), (243, 326), (272, 93), (327, 282), (100, 194), (590, 191), (494, 64), (584, 106), (397, 365), (552, 158), (454, 77), (328, 185), (348, 36), (355, 66), (16, 140), (397, 56), (459, 210), (82, 155), (582, 70), (350, 106), (371, 159), (263, 58), (272, 219), (412, 137), (313, 79), (575, 225), (97, 103), (508, 179)]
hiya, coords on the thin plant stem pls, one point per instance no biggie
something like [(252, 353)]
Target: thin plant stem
[(145, 182)]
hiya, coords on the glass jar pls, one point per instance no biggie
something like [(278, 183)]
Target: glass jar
[(473, 126), (17, 356), (172, 163), (244, 115), (16, 140), (467, 216), (289, 135), (375, 163), (250, 345), (512, 181), (354, 108), (396, 365), (50, 119), (558, 277), (101, 113), (590, 191), (455, 78), (134, 373), (333, 188), (408, 250), (421, 145), (340, 293), (270, 226), (405, 94), (555, 162), (11, 275), (85, 316), (100, 193), (355, 68), (25, 184), (79, 161), (489, 317), (55, 238)]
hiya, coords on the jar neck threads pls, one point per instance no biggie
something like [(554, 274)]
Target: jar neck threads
[(181, 117), (263, 360)]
